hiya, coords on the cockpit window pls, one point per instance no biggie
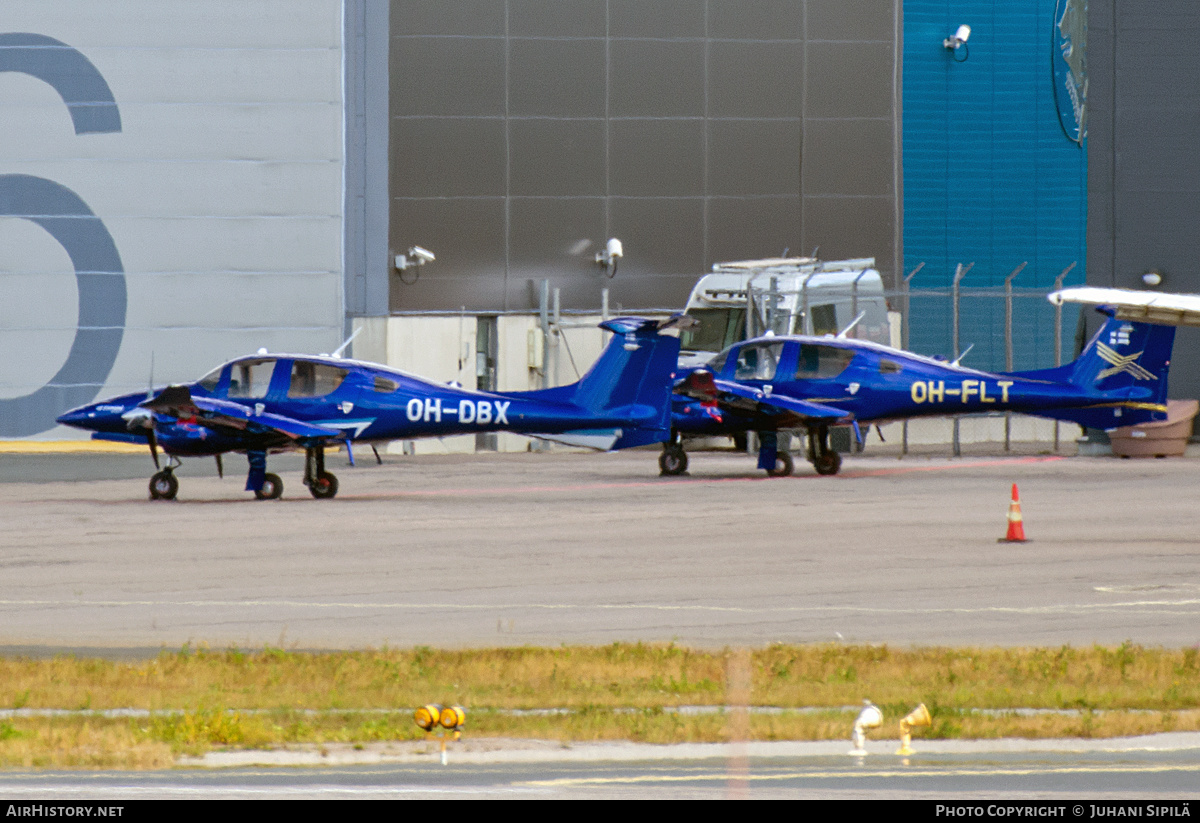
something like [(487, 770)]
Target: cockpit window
[(210, 381), (717, 364), (251, 378), (822, 362), (315, 379), (758, 361)]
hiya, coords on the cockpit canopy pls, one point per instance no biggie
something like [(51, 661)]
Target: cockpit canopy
[(771, 360), (250, 378)]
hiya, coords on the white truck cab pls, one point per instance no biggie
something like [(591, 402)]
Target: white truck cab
[(785, 295)]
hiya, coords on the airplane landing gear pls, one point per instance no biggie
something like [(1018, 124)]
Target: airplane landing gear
[(321, 484), (324, 486), (266, 486), (828, 463), (824, 459), (164, 485), (773, 457), (673, 460), (272, 487), (783, 465)]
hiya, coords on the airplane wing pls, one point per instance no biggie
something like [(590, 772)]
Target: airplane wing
[(1162, 308), (224, 415), (701, 385)]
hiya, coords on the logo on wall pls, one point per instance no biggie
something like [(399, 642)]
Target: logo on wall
[(1069, 61), (67, 218)]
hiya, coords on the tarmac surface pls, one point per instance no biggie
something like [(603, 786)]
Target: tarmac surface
[(1132, 772), (511, 549)]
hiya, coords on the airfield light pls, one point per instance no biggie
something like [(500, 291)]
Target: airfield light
[(428, 716), (451, 718), (917, 717), (869, 718)]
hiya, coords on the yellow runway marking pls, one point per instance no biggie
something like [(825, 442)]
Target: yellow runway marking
[(723, 776)]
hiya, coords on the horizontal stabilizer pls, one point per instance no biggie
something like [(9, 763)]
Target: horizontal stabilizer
[(631, 325), (1160, 308)]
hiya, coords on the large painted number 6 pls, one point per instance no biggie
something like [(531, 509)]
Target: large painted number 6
[(63, 214)]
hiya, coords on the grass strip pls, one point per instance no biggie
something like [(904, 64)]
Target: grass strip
[(202, 698)]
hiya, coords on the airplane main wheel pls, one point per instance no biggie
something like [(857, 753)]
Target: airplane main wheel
[(783, 465), (163, 486), (828, 463), (673, 461), (324, 486), (272, 488)]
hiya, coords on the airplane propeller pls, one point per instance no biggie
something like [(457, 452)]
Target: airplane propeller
[(153, 438), (142, 418), (148, 420)]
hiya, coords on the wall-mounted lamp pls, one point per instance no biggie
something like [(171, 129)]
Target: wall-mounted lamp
[(607, 259), (414, 258), (957, 43), (1152, 278)]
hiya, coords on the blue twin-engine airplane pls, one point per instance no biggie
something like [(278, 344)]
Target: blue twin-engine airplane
[(275, 402), (795, 383)]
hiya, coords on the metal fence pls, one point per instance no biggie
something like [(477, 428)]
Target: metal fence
[(1008, 327)]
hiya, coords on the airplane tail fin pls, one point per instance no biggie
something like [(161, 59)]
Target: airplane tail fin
[(632, 378), (1126, 366), (1126, 354)]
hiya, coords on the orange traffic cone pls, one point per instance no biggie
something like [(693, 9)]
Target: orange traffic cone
[(1016, 528)]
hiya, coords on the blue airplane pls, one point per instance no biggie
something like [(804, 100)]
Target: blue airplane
[(267, 403), (779, 384)]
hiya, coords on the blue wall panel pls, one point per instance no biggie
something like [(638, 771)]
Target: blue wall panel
[(990, 177)]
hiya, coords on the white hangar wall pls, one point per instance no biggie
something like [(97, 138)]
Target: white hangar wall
[(205, 141)]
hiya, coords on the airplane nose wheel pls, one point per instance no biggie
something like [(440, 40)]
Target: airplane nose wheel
[(324, 486), (672, 461), (824, 459), (321, 484), (164, 485), (272, 488)]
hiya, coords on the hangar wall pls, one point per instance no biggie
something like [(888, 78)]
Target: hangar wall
[(1144, 168), (991, 174), (525, 133), (170, 193)]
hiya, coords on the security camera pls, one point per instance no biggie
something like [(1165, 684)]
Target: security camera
[(614, 248), (960, 37), (415, 256)]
